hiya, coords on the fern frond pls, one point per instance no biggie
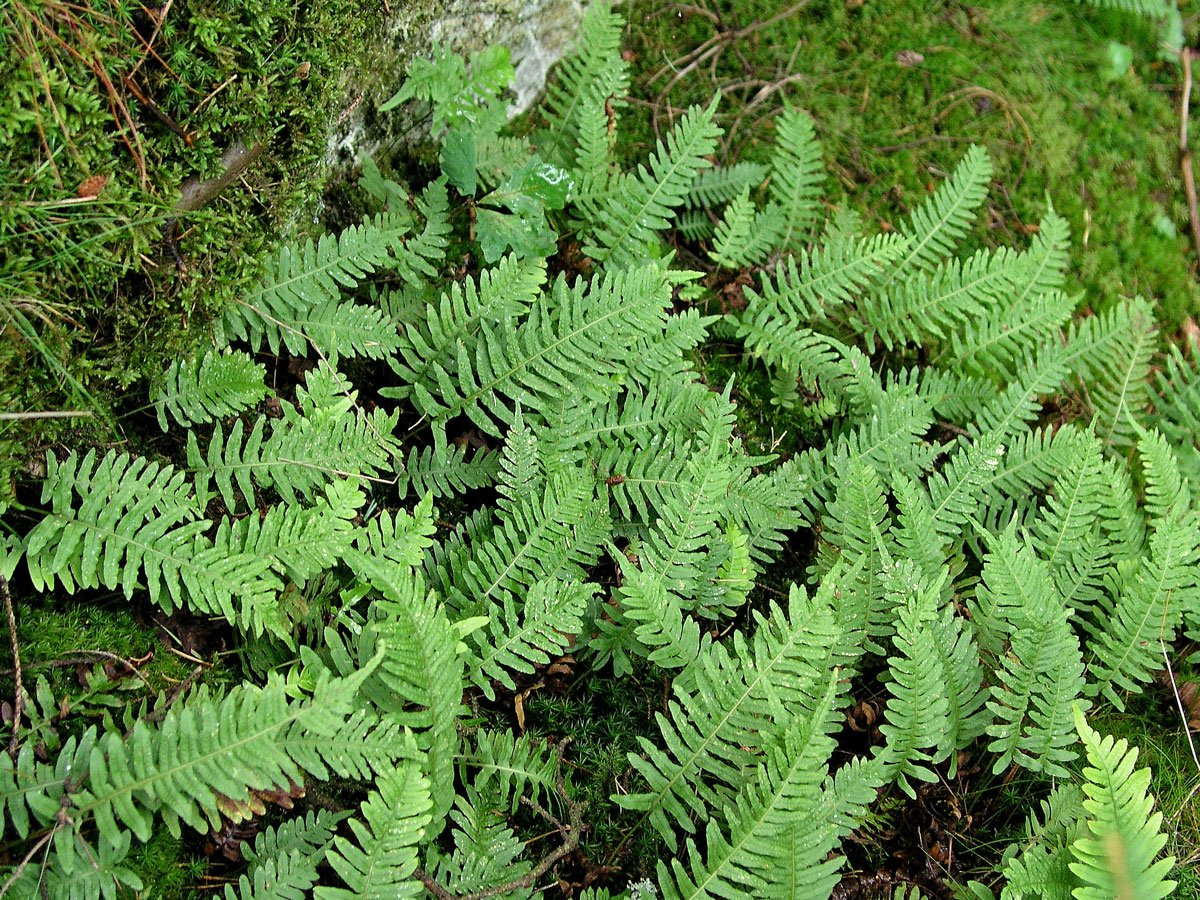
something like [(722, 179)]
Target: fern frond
[(1113, 355), (889, 440), (766, 507), (419, 257), (420, 680), (217, 385), (208, 755), (551, 615), (486, 852), (797, 173), (520, 766), (284, 859), (1067, 532), (919, 710), (594, 65), (720, 184), (931, 304), (1118, 858), (383, 857), (744, 236), (817, 283), (554, 534), (572, 341), (640, 204), (1145, 606), (761, 851), (326, 436), (305, 277), (1177, 414), (118, 521), (732, 700), (1039, 678), (997, 343), (504, 292), (1019, 402), (446, 471), (937, 225)]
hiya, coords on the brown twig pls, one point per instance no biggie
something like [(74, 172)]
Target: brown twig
[(1185, 153), (19, 695)]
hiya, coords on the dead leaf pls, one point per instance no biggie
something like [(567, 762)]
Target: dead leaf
[(90, 188)]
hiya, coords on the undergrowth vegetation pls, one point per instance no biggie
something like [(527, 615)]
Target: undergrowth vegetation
[(613, 529)]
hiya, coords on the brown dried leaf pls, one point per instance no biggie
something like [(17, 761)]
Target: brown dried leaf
[(90, 187)]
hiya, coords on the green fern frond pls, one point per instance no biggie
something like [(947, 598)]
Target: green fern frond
[(1117, 858), (209, 754), (1039, 679), (381, 860), (1177, 410), (732, 700), (720, 184), (305, 277), (639, 204), (420, 256), (743, 236), (890, 439), (446, 471), (520, 766), (1112, 353), (126, 523), (797, 173), (420, 680), (1019, 402), (777, 834), (550, 616), (919, 709), (817, 283), (504, 292), (325, 436), (572, 341), (402, 540), (931, 304), (1048, 258), (284, 860), (486, 853), (938, 224), (595, 65), (217, 385), (996, 344)]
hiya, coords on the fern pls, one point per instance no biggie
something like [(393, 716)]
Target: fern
[(1117, 858), (735, 699), (720, 184), (381, 861), (190, 770), (302, 285), (572, 340), (122, 522), (284, 860), (638, 205), (218, 385), (940, 222), (551, 614), (743, 238), (797, 172), (323, 437), (762, 849)]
